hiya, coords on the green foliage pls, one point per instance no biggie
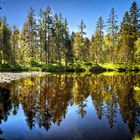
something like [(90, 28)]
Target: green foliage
[(5, 67), (97, 69), (36, 64), (137, 52), (50, 68), (136, 137), (45, 44)]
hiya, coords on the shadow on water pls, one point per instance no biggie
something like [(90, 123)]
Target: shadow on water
[(71, 107)]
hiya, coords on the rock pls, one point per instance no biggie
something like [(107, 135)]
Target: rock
[(7, 77)]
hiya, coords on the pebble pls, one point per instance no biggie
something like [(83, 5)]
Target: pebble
[(7, 77)]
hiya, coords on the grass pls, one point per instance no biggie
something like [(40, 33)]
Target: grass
[(137, 88), (136, 137), (112, 73), (17, 68), (121, 67)]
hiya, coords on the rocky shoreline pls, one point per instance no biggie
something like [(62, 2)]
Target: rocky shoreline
[(7, 77)]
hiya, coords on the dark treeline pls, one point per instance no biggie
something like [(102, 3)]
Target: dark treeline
[(46, 40)]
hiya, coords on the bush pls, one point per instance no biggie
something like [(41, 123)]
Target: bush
[(79, 69), (50, 68), (97, 69), (88, 64), (36, 64), (5, 67)]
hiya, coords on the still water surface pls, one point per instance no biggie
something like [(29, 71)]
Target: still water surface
[(94, 107)]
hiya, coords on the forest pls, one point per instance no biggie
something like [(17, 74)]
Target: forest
[(45, 43)]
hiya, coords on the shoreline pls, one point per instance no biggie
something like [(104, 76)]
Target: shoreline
[(7, 77)]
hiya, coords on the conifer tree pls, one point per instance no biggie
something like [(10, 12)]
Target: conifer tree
[(134, 29), (98, 39), (112, 30), (45, 26), (124, 42), (32, 31), (5, 47), (15, 43)]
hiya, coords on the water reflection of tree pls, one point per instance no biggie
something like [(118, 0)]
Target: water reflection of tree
[(15, 98), (81, 92), (112, 101), (5, 106), (45, 100), (128, 106), (97, 95), (59, 96)]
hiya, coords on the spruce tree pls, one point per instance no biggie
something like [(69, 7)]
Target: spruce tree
[(45, 29), (125, 39), (14, 43), (112, 30), (5, 34), (98, 39), (32, 29), (134, 29)]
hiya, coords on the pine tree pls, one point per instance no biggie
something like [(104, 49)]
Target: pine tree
[(59, 38), (86, 57), (45, 28), (124, 41), (79, 42), (112, 30), (129, 33), (82, 26), (92, 49), (98, 39), (32, 31), (68, 46), (137, 52), (134, 29), (5, 47), (14, 43)]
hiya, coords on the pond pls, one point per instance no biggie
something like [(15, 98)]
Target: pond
[(71, 107)]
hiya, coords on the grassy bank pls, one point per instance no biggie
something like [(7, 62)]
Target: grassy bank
[(75, 67), (121, 67)]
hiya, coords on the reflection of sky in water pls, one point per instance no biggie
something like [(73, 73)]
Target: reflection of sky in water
[(73, 126)]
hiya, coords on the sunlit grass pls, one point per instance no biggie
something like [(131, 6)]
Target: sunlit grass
[(112, 73), (77, 66), (121, 67), (137, 88), (136, 137)]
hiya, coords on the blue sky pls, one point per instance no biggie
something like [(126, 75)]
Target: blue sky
[(73, 10)]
